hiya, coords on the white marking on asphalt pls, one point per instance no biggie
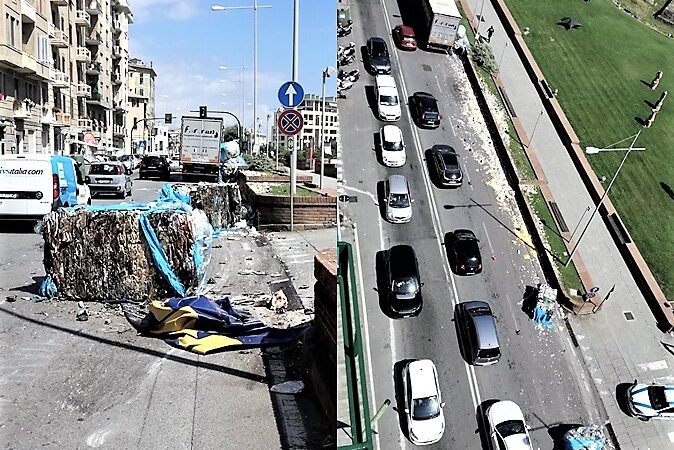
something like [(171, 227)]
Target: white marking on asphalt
[(366, 326), (470, 183), (369, 194), (451, 126), (670, 435), (510, 307), (438, 83), (97, 438), (491, 247), (470, 370), (654, 365)]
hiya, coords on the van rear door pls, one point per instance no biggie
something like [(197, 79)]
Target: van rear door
[(26, 187)]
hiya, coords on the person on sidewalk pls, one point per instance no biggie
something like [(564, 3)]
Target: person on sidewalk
[(490, 32)]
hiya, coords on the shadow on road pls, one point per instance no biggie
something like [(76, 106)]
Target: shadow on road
[(482, 425), (18, 227), (371, 100), (621, 397), (529, 300), (399, 387), (460, 341), (556, 432), (33, 288), (382, 285), (381, 197)]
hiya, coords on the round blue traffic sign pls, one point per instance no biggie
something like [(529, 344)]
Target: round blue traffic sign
[(291, 94)]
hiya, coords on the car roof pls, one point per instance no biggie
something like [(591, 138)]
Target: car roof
[(443, 148), (423, 376), (505, 410), (385, 81), (377, 40), (404, 261), (392, 133), (639, 394), (485, 328), (397, 184)]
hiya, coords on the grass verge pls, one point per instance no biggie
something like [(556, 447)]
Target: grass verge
[(282, 189)]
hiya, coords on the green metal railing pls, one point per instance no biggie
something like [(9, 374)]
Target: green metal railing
[(359, 405)]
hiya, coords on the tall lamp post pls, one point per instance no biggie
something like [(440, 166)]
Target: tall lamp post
[(595, 150), (326, 74), (254, 7), (243, 89), (267, 131)]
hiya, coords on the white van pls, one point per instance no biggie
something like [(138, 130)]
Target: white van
[(34, 185), (388, 101)]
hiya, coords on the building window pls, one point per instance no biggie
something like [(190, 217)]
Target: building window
[(12, 25), (43, 49), (141, 91)]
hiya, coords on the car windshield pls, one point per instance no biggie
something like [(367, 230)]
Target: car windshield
[(393, 146), (105, 169), (451, 162), (399, 201), (425, 408), (379, 50), (389, 100), (489, 352), (405, 286), (510, 427), (656, 394)]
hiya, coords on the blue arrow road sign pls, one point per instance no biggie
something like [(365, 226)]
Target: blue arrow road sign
[(291, 94)]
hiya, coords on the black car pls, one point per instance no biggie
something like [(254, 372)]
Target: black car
[(378, 60), (463, 252), (425, 110), (404, 282), (154, 165), (446, 165)]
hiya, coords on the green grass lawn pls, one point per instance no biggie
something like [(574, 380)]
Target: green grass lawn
[(598, 70), (284, 189)]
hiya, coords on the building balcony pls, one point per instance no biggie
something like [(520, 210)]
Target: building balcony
[(82, 18), (116, 52), (94, 8), (116, 79), (87, 124), (62, 119), (94, 68), (118, 106), (60, 39), (59, 2), (116, 26), (23, 109), (122, 6), (94, 39), (50, 29), (31, 66), (118, 131), (59, 79), (10, 57), (83, 54), (83, 90), (27, 12)]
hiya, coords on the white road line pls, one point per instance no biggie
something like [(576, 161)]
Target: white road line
[(369, 194), (470, 370), (491, 247), (366, 326), (510, 307), (470, 183), (451, 125), (438, 83)]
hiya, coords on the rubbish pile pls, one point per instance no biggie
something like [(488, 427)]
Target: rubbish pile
[(220, 201), (585, 438), (546, 306)]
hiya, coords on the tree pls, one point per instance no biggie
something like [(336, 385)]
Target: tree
[(483, 56), (230, 133), (260, 163)]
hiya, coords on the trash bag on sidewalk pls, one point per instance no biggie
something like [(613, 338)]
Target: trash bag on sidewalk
[(202, 325), (585, 438)]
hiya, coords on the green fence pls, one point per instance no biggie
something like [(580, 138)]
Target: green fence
[(359, 406)]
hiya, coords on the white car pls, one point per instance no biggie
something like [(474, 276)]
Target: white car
[(507, 429), (423, 402), (392, 146), (651, 401), (388, 101), (174, 164)]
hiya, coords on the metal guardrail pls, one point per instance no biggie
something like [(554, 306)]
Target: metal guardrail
[(359, 405)]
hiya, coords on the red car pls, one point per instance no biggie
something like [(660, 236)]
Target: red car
[(404, 36)]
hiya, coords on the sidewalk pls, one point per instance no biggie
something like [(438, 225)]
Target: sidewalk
[(617, 347)]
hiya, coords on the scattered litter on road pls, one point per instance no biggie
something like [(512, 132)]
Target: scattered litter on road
[(251, 272), (210, 281), (276, 275), (279, 301), (11, 298), (288, 387), (585, 438), (82, 315)]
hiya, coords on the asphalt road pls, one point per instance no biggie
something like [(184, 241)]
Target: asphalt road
[(539, 370)]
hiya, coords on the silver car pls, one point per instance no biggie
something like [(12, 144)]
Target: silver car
[(109, 178)]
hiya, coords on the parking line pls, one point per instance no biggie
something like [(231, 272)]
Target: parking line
[(510, 307), (369, 194), (451, 125), (488, 239), (438, 83), (470, 183)]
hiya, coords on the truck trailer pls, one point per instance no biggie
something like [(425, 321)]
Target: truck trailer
[(200, 147), (442, 19)]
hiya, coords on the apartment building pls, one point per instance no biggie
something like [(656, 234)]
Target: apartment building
[(141, 104), (311, 110)]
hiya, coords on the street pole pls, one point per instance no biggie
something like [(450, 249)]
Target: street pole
[(320, 183), (533, 132), (267, 130), (601, 200), (579, 221), (295, 75), (254, 74), (276, 133), (498, 70)]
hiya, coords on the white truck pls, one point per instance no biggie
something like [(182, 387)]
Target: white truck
[(442, 19), (200, 147)]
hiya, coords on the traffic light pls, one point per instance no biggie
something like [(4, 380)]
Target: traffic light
[(168, 118), (203, 112)]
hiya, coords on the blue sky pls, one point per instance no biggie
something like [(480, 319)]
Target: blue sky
[(187, 42)]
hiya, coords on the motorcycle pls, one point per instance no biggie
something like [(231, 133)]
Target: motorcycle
[(343, 31), (346, 60), (344, 85), (353, 75)]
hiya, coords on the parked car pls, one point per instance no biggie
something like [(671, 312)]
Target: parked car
[(129, 161), (477, 331), (403, 281), (507, 429), (378, 59), (446, 164), (463, 252), (392, 146), (423, 402), (174, 164), (425, 110), (109, 178), (398, 200), (404, 37), (650, 401), (154, 165), (388, 100)]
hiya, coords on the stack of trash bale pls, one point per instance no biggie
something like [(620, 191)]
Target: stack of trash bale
[(220, 201), (105, 255), (585, 438)]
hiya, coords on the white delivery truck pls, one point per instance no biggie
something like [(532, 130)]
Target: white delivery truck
[(200, 147), (442, 19)]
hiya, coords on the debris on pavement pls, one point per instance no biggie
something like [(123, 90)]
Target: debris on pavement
[(279, 302), (82, 315), (220, 201), (11, 298), (585, 438), (251, 272), (288, 387), (546, 306)]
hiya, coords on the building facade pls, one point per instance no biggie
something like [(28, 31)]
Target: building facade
[(141, 104), (310, 136), (57, 60)]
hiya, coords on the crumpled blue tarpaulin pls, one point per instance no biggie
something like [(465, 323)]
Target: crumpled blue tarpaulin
[(202, 325), (543, 317)]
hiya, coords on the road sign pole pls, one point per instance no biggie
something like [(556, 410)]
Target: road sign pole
[(293, 166)]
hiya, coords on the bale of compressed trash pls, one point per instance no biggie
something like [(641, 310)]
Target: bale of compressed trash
[(585, 438), (220, 201), (105, 255)]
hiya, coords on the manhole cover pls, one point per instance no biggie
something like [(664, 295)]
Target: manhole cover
[(628, 315), (426, 67)]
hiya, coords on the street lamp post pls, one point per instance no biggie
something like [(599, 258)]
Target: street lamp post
[(243, 90), (326, 74), (267, 131), (592, 151), (533, 132), (254, 7), (295, 75)]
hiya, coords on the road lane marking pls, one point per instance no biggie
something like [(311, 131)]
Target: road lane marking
[(369, 194), (451, 125), (655, 365), (470, 370), (470, 183), (491, 247), (365, 321), (510, 307), (438, 83)]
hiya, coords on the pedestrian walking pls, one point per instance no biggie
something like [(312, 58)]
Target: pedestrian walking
[(490, 32)]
